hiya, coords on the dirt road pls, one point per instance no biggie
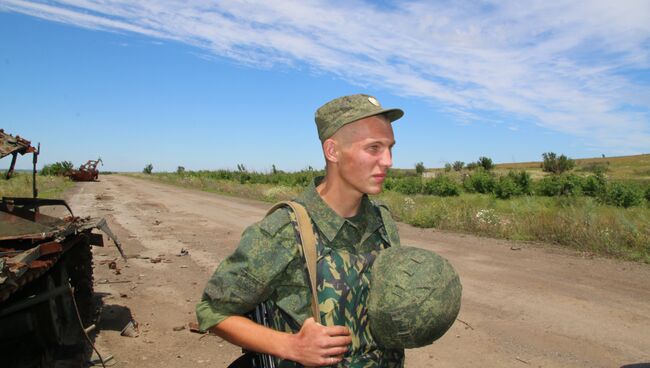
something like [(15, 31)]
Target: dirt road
[(523, 305)]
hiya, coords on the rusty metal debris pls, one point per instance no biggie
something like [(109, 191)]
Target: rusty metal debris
[(10, 145), (86, 172), (45, 271)]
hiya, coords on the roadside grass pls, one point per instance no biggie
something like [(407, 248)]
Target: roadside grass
[(20, 185), (576, 222), (264, 192)]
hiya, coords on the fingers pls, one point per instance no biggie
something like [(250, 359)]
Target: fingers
[(335, 351), (339, 341), (331, 360), (337, 330)]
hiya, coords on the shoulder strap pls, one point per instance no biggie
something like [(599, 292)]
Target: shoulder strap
[(308, 248)]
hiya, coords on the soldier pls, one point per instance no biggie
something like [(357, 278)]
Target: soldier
[(357, 138)]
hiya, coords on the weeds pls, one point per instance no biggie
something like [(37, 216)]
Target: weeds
[(567, 218)]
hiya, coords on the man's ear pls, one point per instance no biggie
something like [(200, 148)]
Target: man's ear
[(330, 149)]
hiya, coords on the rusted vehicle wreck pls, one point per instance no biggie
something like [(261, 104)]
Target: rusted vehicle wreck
[(46, 280)]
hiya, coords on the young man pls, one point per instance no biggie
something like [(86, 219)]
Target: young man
[(357, 138)]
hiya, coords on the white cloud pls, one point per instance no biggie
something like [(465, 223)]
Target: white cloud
[(570, 66)]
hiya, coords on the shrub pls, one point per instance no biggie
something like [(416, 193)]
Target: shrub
[(442, 186), (559, 185), (458, 165), (180, 170), (447, 167), (485, 163), (419, 168), (523, 181), (148, 169), (57, 168), (647, 194), (622, 195), (480, 181), (593, 185), (506, 187), (408, 185), (556, 165)]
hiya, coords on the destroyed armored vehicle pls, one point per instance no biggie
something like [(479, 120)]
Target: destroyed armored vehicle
[(46, 280), (85, 172)]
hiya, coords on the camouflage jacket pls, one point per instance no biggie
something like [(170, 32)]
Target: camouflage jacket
[(267, 266)]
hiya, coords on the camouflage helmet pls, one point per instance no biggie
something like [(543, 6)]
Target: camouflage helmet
[(414, 297)]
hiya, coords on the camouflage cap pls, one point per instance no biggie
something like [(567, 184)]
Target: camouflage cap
[(414, 297), (347, 109)]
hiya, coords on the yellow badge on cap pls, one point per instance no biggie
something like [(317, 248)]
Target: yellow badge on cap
[(373, 101)]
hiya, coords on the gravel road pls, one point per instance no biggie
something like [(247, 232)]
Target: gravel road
[(523, 304)]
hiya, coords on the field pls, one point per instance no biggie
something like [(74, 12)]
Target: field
[(20, 185), (595, 222)]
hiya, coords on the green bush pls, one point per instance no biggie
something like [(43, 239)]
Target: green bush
[(593, 185), (559, 185), (408, 185), (506, 187), (647, 194), (419, 168), (485, 163), (523, 181), (458, 165), (480, 181), (471, 166), (148, 169), (57, 168), (622, 195), (556, 165), (441, 185)]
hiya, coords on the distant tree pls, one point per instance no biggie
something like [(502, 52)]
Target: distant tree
[(447, 167), (419, 168), (180, 170), (274, 170), (485, 163), (241, 168), (556, 165), (471, 166), (148, 169), (458, 165)]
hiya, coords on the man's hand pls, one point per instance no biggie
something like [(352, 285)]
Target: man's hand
[(318, 345)]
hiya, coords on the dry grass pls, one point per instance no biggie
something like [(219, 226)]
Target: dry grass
[(575, 222), (20, 185)]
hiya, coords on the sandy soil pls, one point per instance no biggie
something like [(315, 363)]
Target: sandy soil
[(523, 304)]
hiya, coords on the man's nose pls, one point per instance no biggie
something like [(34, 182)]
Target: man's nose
[(386, 158)]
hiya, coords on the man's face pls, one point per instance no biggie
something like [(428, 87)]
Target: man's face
[(364, 153)]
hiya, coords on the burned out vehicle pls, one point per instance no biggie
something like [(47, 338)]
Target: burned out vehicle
[(46, 279), (86, 172)]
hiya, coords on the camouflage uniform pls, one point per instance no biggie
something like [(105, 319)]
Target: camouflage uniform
[(267, 266)]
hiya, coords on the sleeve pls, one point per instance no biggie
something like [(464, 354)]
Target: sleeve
[(249, 275)]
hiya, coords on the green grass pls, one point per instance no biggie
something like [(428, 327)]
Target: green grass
[(264, 192), (622, 168), (20, 185), (577, 222)]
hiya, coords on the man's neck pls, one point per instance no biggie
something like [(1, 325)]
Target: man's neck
[(344, 202)]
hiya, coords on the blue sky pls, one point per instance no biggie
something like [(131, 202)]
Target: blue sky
[(209, 85)]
